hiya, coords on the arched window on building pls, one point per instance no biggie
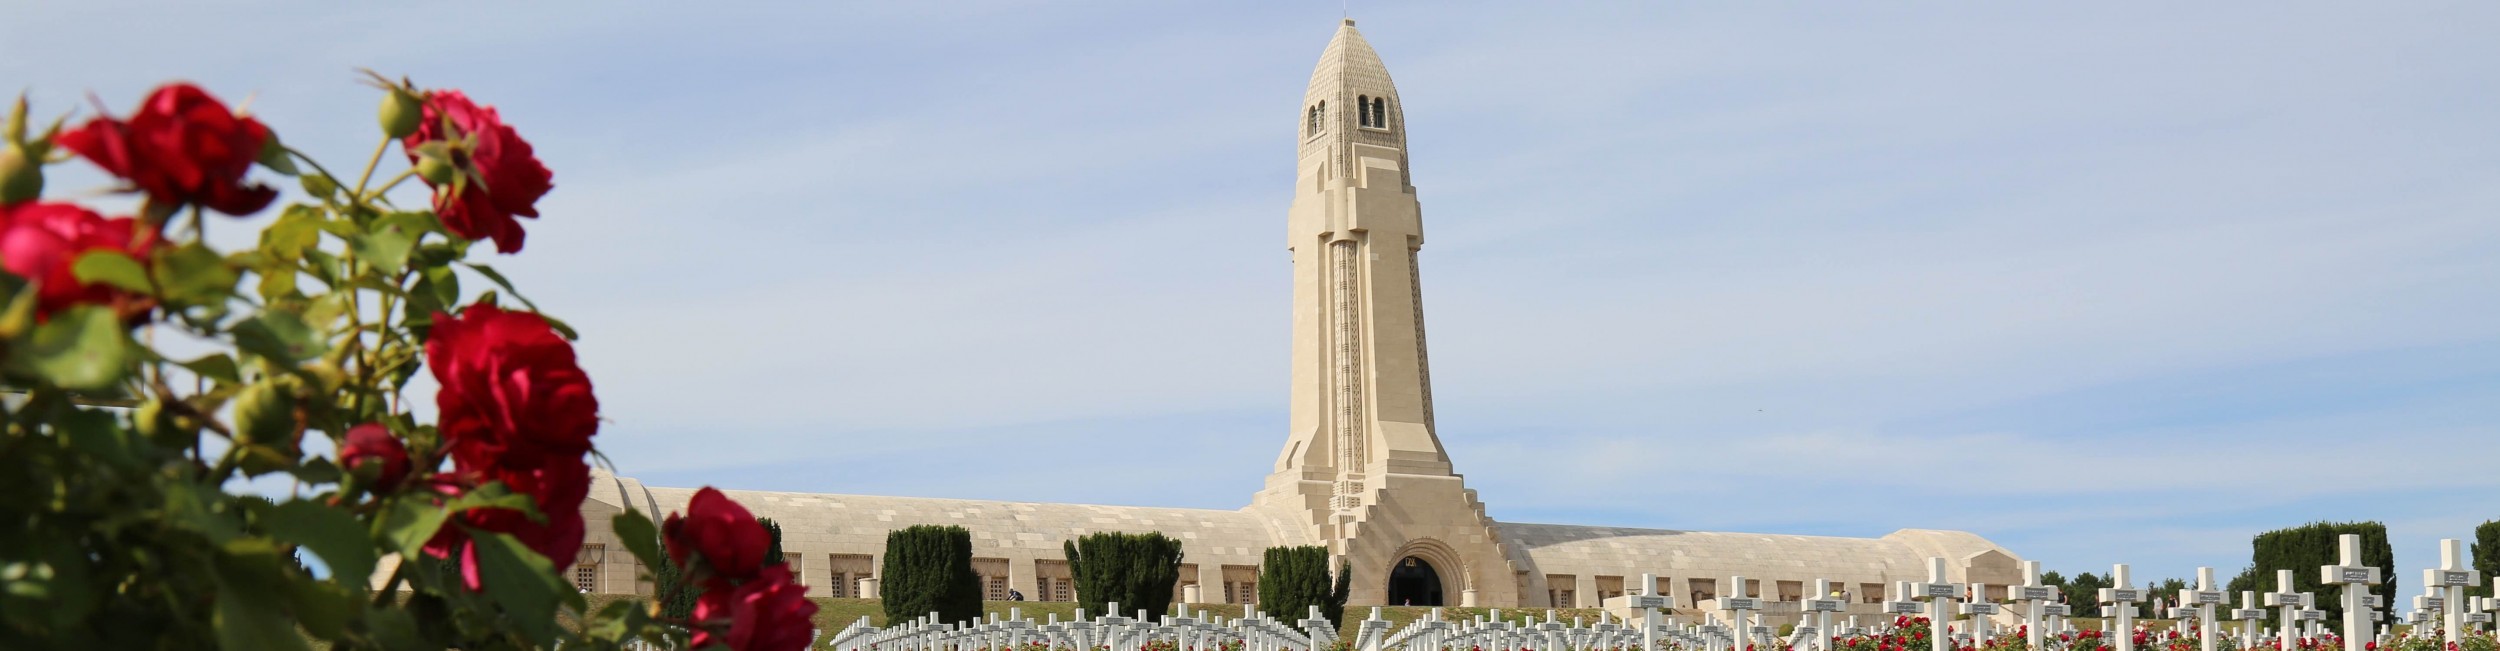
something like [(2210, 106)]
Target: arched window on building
[(1360, 104), (586, 567), (1319, 118), (1380, 112)]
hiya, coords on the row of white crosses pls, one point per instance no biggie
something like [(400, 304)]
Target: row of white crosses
[(1117, 633), (1737, 622)]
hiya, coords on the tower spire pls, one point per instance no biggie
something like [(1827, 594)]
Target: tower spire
[(1361, 393), (1363, 467)]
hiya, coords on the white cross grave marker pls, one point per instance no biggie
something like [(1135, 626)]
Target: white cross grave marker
[(2427, 608), (2203, 598), (1739, 608), (1648, 602), (2312, 619), (2122, 597), (2289, 601), (2356, 579), (1940, 595), (2250, 617), (1979, 610), (1823, 605), (1903, 603), (2032, 593), (2455, 577)]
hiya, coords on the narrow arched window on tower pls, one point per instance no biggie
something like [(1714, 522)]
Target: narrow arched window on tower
[(1310, 121), (1380, 112), (1319, 118), (1363, 114)]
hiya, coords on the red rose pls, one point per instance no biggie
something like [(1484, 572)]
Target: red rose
[(182, 146), (724, 534), (505, 177), (769, 613), (41, 242), (373, 444), (514, 408), (511, 392)]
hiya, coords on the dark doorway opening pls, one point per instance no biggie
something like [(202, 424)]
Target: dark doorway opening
[(1414, 583)]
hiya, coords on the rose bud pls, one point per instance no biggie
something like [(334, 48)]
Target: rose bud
[(20, 178), (437, 170), (373, 454), (21, 162), (264, 413), (401, 112)]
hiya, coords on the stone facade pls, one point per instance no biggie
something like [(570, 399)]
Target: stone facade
[(1362, 470)]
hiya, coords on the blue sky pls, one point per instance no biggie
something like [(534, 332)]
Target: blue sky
[(2126, 282)]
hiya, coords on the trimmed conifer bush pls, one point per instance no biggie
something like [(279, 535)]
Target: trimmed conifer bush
[(676, 601), (1293, 579), (2306, 548), (772, 554), (2486, 550), (928, 569), (1135, 570)]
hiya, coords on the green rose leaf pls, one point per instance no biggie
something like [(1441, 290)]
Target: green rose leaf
[(618, 621), (322, 265), (296, 230), (387, 243), (561, 327), (275, 157), (279, 335), (323, 607), (445, 285), (216, 366), (318, 185), (410, 522), (276, 283), (491, 274), (19, 316), (332, 534), (192, 274), (100, 434), (522, 581), (246, 619), (640, 537), (249, 612), (317, 471), (188, 507), (113, 268), (394, 629), (80, 348)]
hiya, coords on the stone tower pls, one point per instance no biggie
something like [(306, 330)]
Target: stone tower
[(1362, 466)]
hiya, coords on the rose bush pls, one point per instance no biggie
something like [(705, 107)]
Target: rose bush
[(125, 519)]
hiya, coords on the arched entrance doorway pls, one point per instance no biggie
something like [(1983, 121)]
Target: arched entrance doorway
[(1414, 583)]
